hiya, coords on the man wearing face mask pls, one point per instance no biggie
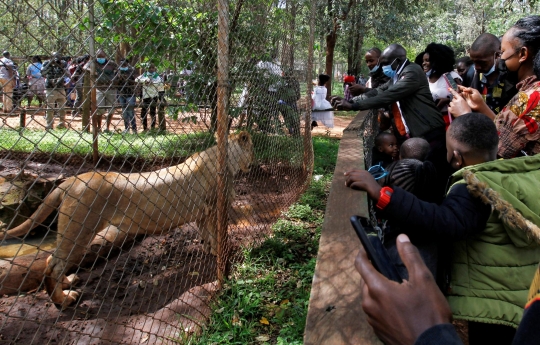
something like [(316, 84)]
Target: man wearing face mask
[(407, 91), (105, 87), (496, 87), (413, 109), (126, 94), (54, 71)]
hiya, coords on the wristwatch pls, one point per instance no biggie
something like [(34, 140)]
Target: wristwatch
[(384, 198)]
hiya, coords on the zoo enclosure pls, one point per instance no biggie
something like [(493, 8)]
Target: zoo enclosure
[(224, 66)]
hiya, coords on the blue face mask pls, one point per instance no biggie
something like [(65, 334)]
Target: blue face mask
[(389, 71), (101, 60), (374, 69), (123, 68), (490, 71), (428, 73)]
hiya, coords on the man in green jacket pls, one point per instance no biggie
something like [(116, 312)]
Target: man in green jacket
[(490, 217)]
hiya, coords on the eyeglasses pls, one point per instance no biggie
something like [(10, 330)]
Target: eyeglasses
[(390, 64), (377, 171)]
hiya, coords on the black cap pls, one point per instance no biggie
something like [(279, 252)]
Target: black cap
[(5, 53)]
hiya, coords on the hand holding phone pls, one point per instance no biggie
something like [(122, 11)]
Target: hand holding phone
[(375, 250)]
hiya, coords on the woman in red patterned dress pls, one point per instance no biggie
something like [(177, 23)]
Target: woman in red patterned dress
[(519, 121)]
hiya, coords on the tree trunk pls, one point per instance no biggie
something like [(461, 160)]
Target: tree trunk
[(331, 39)]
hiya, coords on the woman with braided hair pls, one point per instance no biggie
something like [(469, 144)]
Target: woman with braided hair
[(519, 122)]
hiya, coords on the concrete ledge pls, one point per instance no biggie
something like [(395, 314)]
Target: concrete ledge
[(335, 313)]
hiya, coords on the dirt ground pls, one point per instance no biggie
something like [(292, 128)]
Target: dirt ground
[(340, 123), (36, 119), (149, 273)]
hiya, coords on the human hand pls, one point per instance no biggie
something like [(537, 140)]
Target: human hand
[(443, 102), (342, 104), (363, 180), (357, 89), (400, 313), (335, 99), (459, 105), (473, 97)]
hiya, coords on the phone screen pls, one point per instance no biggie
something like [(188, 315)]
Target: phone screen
[(452, 83)]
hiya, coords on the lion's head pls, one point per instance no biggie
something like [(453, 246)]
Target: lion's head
[(241, 151)]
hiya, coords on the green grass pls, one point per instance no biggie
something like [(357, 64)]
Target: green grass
[(347, 114), (144, 145), (266, 297)]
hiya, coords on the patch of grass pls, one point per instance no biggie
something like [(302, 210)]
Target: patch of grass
[(346, 114), (282, 148), (143, 145), (266, 297), (268, 148), (325, 149)]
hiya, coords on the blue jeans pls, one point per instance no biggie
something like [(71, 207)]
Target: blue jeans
[(128, 111)]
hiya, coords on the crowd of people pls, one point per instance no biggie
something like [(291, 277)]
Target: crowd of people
[(455, 181), (58, 83)]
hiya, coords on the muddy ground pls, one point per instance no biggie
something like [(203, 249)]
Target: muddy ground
[(149, 273)]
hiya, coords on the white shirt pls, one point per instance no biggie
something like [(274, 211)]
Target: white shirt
[(155, 86), (4, 72), (439, 89)]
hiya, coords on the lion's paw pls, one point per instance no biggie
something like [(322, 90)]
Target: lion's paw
[(70, 281), (70, 297)]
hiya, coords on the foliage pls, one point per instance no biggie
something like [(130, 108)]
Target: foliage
[(265, 300)]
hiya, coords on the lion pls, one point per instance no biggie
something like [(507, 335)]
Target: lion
[(96, 209)]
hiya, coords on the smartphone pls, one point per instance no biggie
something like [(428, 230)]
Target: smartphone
[(452, 83), (375, 250)]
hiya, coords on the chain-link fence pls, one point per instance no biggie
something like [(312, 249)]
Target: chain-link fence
[(142, 144)]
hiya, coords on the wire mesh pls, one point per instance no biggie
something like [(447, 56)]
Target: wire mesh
[(125, 124)]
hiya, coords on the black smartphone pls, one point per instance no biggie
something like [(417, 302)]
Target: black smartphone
[(375, 250), (452, 83)]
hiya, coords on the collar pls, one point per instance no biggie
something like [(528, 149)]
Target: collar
[(526, 83)]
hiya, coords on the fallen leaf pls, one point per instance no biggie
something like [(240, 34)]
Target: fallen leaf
[(145, 338), (236, 319), (285, 301), (220, 310), (262, 338), (264, 321), (193, 273)]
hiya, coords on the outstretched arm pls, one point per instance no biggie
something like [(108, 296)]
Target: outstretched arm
[(459, 215)]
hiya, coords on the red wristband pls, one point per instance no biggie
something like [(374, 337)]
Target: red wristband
[(384, 198)]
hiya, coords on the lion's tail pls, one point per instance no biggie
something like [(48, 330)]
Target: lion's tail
[(50, 203)]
